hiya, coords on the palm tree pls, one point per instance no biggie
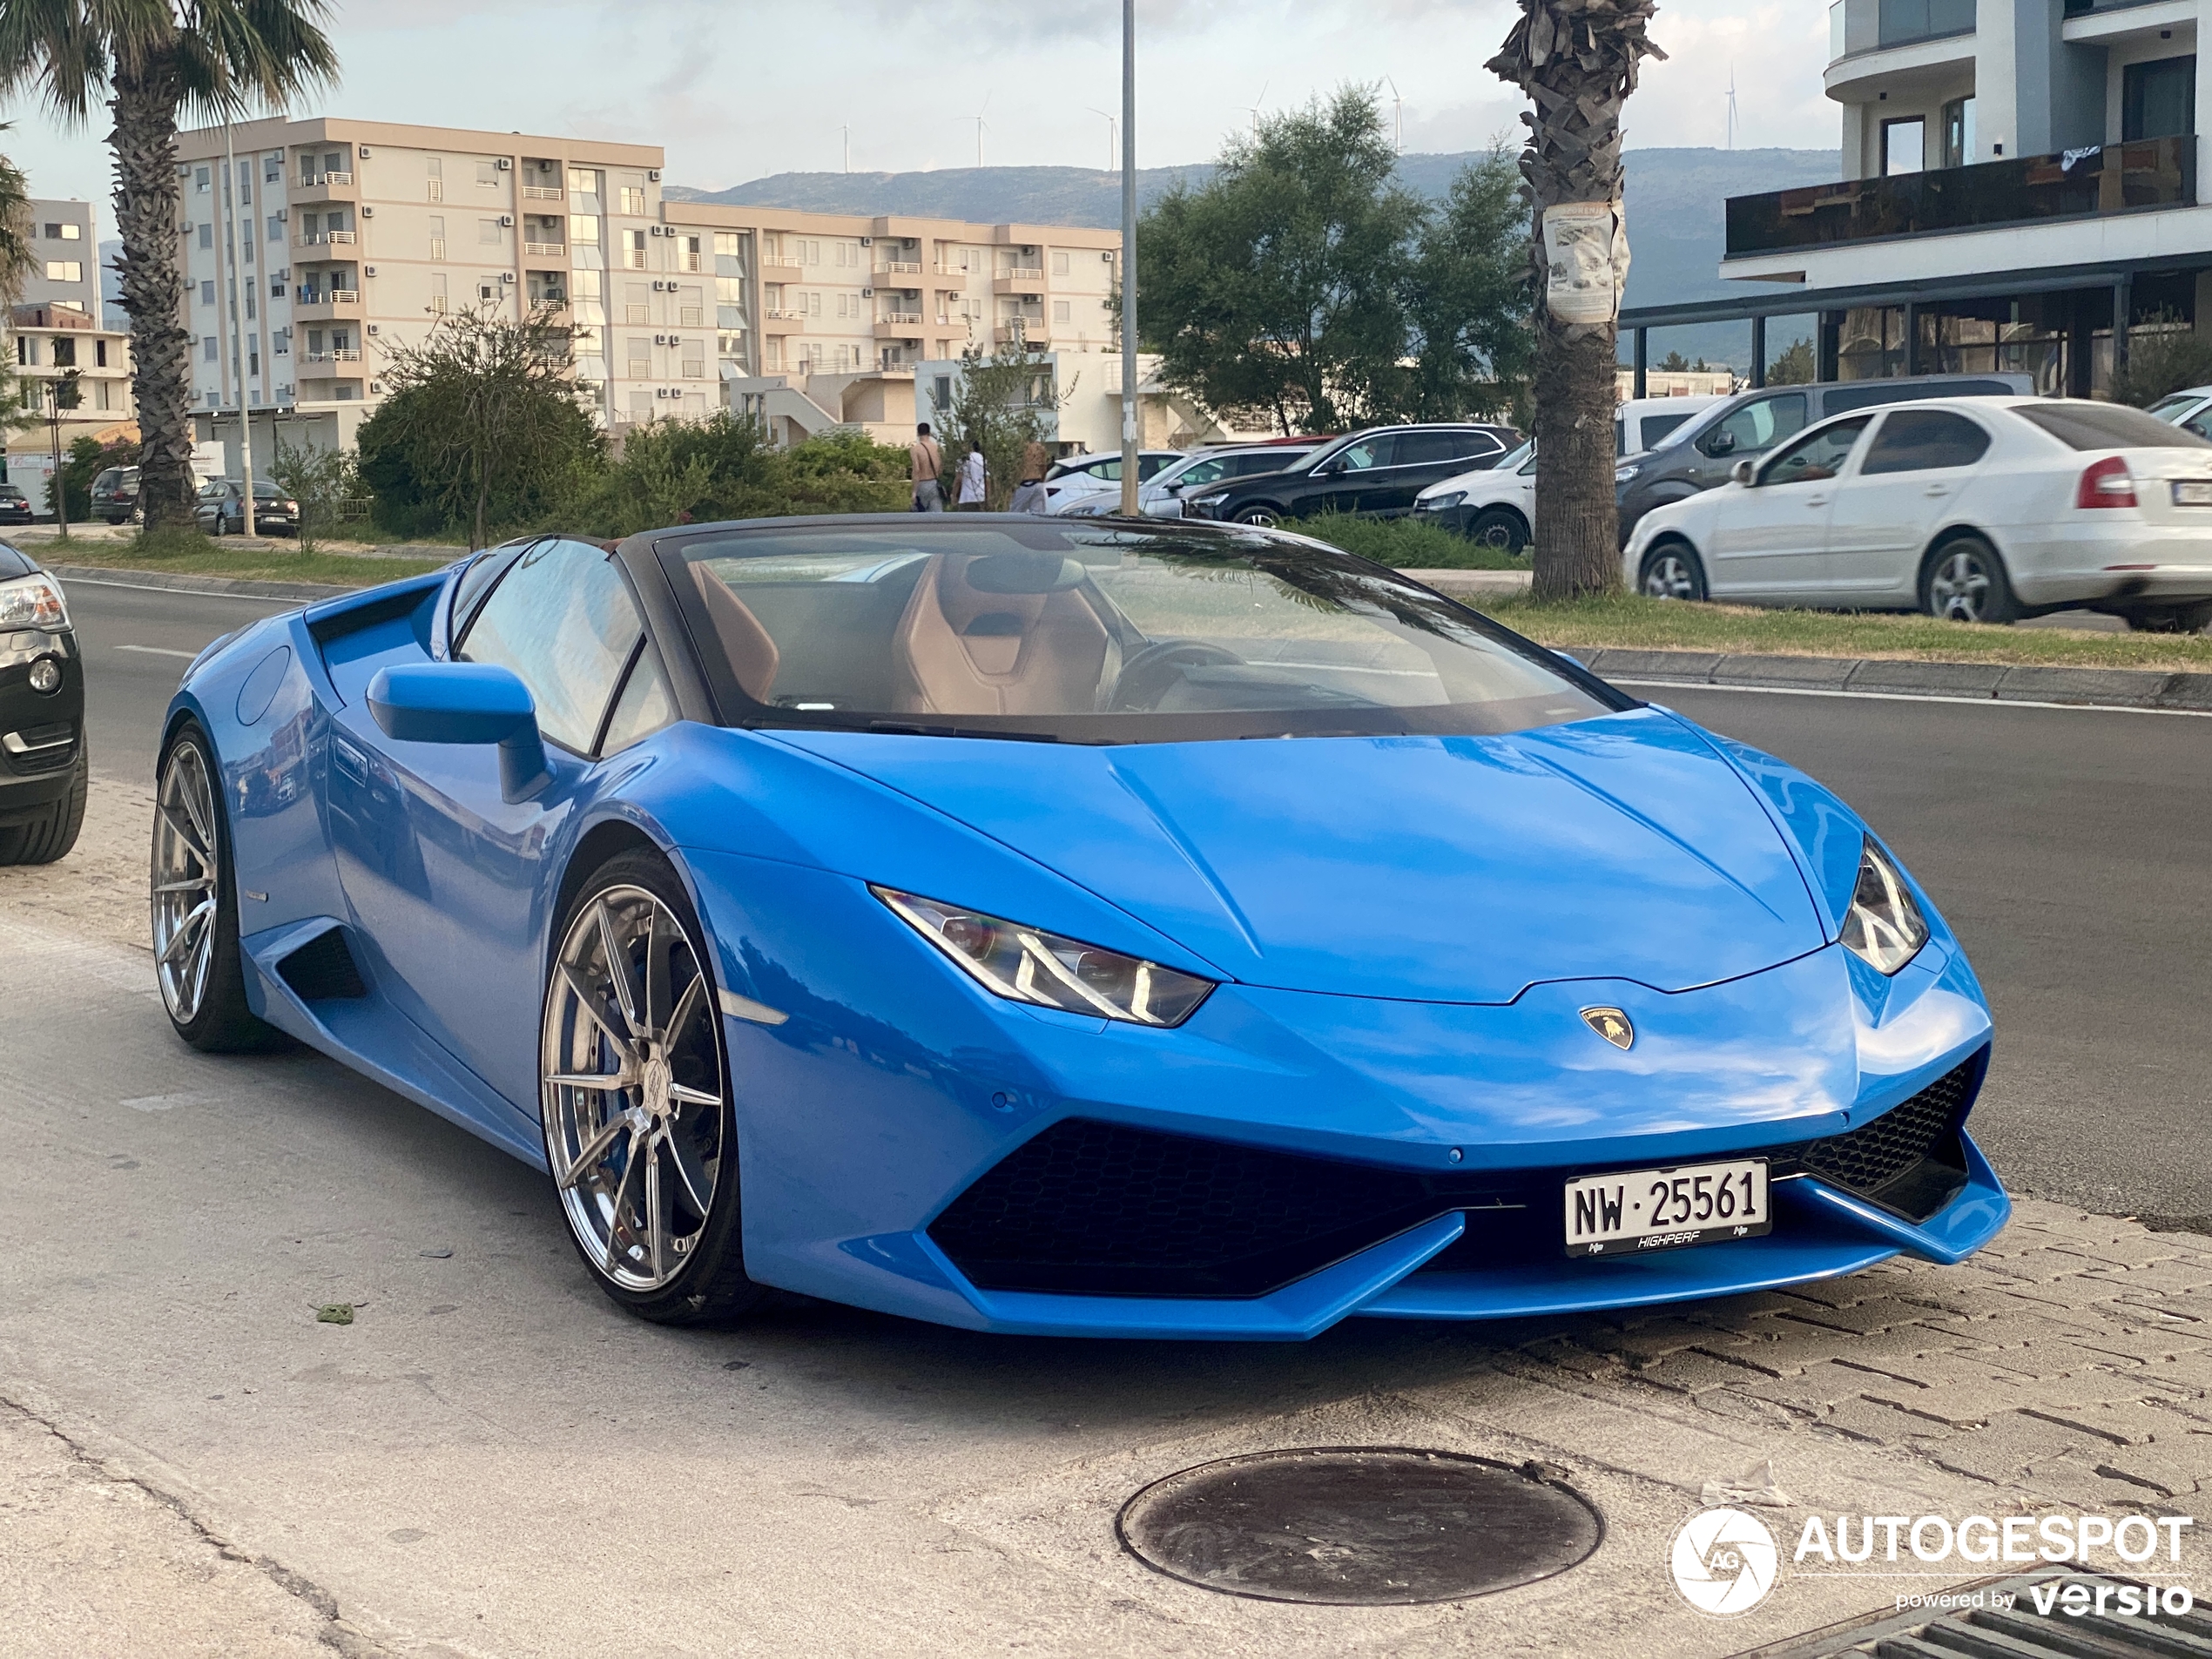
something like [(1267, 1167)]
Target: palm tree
[(1576, 60), (149, 60), (16, 260)]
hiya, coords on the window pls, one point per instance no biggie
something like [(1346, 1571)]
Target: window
[(207, 294), (644, 708), (1916, 440), (846, 253), (729, 290), (583, 229), (1904, 145), (640, 357), (1959, 132), (99, 354), (1369, 453), (206, 235), (633, 201), (273, 167), (334, 161), (1426, 449), (1817, 456), (561, 618), (2079, 424), (2158, 99), (808, 252), (199, 180), (726, 244), (488, 231), (729, 345), (245, 249), (1756, 426), (64, 352), (488, 174), (692, 259), (1061, 312), (65, 271), (276, 228), (208, 349), (585, 340), (583, 181), (634, 254), (695, 368)]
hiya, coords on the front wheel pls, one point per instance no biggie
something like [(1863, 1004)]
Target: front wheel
[(50, 836), (1265, 517), (194, 891), (1673, 570), (1964, 581), (1499, 528), (640, 1131)]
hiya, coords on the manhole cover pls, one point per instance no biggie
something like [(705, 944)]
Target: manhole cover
[(1358, 1526)]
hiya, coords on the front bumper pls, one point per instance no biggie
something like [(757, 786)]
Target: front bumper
[(41, 732), (885, 1122)]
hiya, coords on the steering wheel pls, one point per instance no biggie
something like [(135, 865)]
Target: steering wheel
[(1143, 683)]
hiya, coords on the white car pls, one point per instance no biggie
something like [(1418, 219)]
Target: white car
[(1079, 476), (2191, 409), (1642, 423), (1161, 496), (1493, 507), (1982, 509)]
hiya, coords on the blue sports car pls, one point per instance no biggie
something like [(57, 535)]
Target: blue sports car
[(1069, 927)]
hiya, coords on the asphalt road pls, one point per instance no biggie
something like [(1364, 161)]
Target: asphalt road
[(2066, 846)]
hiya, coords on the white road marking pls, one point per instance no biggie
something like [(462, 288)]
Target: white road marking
[(1903, 697), (159, 650)]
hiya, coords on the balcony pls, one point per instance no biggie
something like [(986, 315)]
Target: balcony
[(322, 187), (315, 305), (325, 239), (543, 193), (900, 267), (1903, 22), (774, 271), (899, 325), (1031, 333), (776, 321), (1022, 278), (546, 250), (2026, 190), (342, 354)]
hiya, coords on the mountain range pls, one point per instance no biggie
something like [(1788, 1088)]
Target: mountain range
[(1676, 201)]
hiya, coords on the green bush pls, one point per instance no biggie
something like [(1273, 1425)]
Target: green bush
[(696, 472), (1405, 543)]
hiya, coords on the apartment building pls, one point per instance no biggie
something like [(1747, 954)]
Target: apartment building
[(65, 257), (314, 248), (2021, 186)]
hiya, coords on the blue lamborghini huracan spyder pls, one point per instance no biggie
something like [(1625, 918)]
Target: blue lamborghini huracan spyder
[(1068, 926)]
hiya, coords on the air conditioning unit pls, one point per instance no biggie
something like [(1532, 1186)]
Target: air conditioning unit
[(507, 221), (368, 213), (867, 241), (1108, 256), (660, 340), (657, 286), (506, 276), (653, 173), (372, 328), (284, 275), (868, 293), (364, 152), (375, 386), (368, 269), (504, 164)]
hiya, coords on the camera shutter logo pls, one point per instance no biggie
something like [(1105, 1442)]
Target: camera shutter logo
[(1724, 1561)]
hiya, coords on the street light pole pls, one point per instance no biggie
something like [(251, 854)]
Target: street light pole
[(1128, 259), (54, 426), (229, 199)]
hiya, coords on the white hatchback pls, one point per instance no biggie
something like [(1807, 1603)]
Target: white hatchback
[(1983, 509), (1492, 506)]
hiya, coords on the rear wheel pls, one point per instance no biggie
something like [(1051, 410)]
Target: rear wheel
[(640, 1132), (1673, 570), (2174, 619), (50, 836), (197, 959), (1964, 581), (1499, 528)]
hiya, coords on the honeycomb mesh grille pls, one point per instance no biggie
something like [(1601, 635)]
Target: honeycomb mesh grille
[(1870, 1157)]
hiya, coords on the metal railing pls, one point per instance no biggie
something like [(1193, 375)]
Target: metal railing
[(1900, 23), (320, 239), (543, 192), (2090, 183), (901, 268), (545, 249), (337, 354), (309, 180)]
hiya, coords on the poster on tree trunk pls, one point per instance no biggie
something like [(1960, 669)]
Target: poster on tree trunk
[(1585, 250)]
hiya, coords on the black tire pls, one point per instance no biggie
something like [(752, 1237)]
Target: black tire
[(50, 836), (1963, 579), (1672, 570), (222, 1022), (1499, 528), (1260, 514), (2172, 619), (711, 1287), (112, 519)]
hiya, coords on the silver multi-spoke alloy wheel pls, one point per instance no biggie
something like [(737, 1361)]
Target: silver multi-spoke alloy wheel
[(1669, 576), (1959, 586), (186, 897), (633, 1087)]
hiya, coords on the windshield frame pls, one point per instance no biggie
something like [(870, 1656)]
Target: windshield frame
[(734, 708)]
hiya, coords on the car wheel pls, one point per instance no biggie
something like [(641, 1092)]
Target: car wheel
[(113, 520), (194, 892), (1499, 529), (2178, 619), (1673, 570), (1265, 517), (50, 836), (640, 1132), (1964, 581)]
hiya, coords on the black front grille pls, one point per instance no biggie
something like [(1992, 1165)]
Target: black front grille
[(52, 748), (1091, 1208)]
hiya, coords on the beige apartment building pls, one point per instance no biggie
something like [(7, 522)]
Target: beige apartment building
[(320, 245)]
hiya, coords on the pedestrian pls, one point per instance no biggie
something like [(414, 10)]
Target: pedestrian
[(1029, 495), (971, 479), (926, 464)]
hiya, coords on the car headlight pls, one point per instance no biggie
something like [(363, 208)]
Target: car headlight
[(1440, 503), (1029, 965), (1622, 475), (33, 601), (1884, 927)]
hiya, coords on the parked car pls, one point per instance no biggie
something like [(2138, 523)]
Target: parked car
[(220, 509), (43, 765), (14, 506), (1705, 450), (1983, 509), (1643, 423), (1072, 479), (2191, 408), (1495, 507), (1379, 472), (1162, 498), (115, 494)]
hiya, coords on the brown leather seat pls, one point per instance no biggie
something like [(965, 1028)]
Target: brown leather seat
[(960, 651), (751, 653)]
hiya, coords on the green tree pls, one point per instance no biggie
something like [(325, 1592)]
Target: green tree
[(1002, 401), (482, 425), (149, 62), (1674, 363), (1794, 367), (322, 482), (1576, 61), (2165, 355), (87, 459), (17, 260), (1465, 296)]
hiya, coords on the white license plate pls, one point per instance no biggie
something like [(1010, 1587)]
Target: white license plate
[(1647, 1209), (2193, 492)]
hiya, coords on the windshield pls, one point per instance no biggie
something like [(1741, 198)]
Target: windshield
[(2173, 409), (1099, 634)]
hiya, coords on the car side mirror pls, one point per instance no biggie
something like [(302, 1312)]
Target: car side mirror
[(1721, 444), (1743, 472), (465, 703)]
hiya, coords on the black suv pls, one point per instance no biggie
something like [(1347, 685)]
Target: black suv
[(220, 509), (115, 494), (14, 506), (43, 769), (1699, 455), (1378, 472)]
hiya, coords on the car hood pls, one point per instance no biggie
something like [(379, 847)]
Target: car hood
[(1436, 869)]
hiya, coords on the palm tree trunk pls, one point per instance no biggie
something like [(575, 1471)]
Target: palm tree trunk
[(1576, 60), (147, 204)]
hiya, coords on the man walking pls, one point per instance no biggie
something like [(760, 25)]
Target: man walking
[(926, 464), (971, 481)]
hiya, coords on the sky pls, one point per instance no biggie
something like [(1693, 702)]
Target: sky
[(737, 91)]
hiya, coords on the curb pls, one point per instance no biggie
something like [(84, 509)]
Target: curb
[(2121, 688), (238, 587)]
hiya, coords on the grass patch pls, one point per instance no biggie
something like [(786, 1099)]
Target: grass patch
[(189, 553), (1633, 622), (1404, 543)]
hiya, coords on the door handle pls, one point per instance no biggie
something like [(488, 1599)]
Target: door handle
[(1815, 501), (1936, 489)]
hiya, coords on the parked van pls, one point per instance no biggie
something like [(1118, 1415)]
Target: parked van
[(1702, 449), (1643, 423)]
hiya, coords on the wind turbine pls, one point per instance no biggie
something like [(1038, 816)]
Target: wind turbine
[(847, 131), (978, 119), (1113, 139), (1399, 104), (1731, 107), (1253, 110)]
